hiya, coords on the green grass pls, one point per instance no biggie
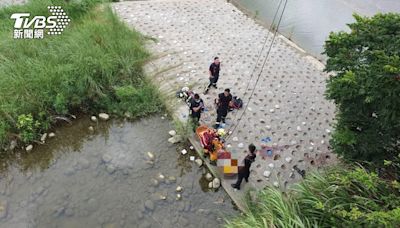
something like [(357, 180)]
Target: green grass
[(337, 198), (94, 65)]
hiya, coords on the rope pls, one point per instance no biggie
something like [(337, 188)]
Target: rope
[(262, 68), (260, 53)]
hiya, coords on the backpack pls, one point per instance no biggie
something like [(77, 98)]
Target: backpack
[(237, 102)]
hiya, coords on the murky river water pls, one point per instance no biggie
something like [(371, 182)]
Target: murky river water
[(104, 179)]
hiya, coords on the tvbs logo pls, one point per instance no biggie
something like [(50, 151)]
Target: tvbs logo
[(35, 28)]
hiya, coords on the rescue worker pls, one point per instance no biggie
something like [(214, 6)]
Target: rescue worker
[(214, 74), (244, 171), (196, 107), (223, 101)]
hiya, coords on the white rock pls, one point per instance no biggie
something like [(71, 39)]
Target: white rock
[(104, 116), (271, 165), (228, 146), (276, 184), (267, 173), (322, 141), (304, 123), (179, 189), (235, 139), (106, 158), (199, 162), (93, 118), (52, 135), (209, 177), (328, 131), (268, 127), (210, 184), (150, 155), (29, 148), (91, 128), (192, 158), (291, 175), (110, 169), (161, 176), (311, 148), (175, 139), (44, 137), (162, 197), (178, 196), (288, 159), (216, 183), (172, 132), (184, 151), (277, 106), (240, 145), (298, 128), (191, 147), (272, 110)]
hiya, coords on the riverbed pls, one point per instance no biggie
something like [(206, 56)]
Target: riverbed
[(105, 178)]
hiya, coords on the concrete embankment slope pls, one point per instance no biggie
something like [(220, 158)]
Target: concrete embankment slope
[(287, 105)]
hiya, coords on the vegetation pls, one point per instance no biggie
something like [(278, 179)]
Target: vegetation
[(94, 65), (337, 198), (366, 88)]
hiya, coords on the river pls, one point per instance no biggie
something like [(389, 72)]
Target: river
[(106, 179)]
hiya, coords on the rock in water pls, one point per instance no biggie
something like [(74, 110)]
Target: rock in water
[(52, 135), (210, 185), (172, 133), (216, 183), (172, 179), (3, 209), (104, 116), (209, 176), (110, 169), (150, 155), (13, 144), (178, 196), (199, 162), (91, 128), (106, 158), (175, 139), (161, 177), (29, 148), (93, 118), (179, 189), (149, 205)]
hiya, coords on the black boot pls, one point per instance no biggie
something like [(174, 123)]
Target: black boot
[(234, 186)]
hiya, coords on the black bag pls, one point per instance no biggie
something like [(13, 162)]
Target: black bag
[(237, 102)]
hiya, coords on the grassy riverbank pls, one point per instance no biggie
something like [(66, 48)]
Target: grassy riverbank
[(94, 65), (337, 198)]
